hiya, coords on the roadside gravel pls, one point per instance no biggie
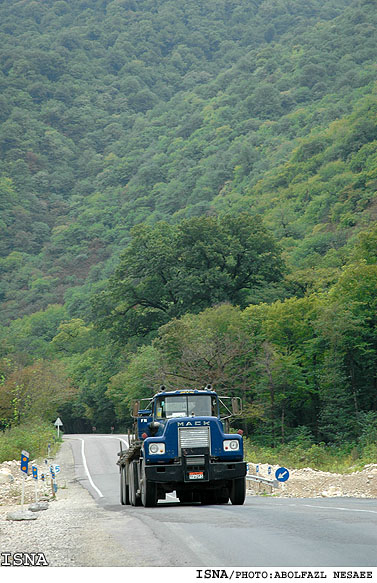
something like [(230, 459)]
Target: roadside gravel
[(71, 533)]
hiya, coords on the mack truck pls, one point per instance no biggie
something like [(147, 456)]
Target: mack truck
[(181, 443)]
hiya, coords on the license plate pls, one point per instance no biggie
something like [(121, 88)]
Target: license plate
[(196, 475)]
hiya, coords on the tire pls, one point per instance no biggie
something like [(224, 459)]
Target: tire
[(222, 496), (185, 497), (133, 481), (238, 491), (148, 492), (124, 488), (208, 497)]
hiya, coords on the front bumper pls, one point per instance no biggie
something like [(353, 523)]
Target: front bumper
[(180, 472)]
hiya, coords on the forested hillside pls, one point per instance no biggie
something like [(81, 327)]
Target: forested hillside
[(188, 195)]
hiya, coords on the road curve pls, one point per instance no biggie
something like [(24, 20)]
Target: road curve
[(265, 532)]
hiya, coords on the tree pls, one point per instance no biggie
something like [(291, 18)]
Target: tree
[(74, 337), (285, 370), (139, 379), (281, 390), (90, 372), (168, 270), (366, 246), (204, 348), (37, 390), (211, 347)]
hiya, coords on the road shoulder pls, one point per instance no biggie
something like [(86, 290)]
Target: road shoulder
[(73, 532)]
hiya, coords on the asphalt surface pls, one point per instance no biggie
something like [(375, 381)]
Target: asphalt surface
[(264, 532)]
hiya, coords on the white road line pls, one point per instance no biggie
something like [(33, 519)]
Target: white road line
[(338, 508), (85, 462), (87, 471), (111, 437)]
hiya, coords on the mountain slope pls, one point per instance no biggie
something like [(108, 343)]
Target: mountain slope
[(117, 112)]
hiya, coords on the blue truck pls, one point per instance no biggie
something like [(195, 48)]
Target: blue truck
[(181, 443)]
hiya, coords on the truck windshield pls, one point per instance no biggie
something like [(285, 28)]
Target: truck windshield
[(186, 406)]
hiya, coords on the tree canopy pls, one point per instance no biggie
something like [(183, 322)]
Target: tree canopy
[(168, 270)]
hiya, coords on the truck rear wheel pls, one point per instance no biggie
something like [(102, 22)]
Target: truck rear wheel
[(133, 480), (124, 488), (208, 497), (238, 491)]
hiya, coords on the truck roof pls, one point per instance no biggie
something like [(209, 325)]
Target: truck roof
[(186, 392)]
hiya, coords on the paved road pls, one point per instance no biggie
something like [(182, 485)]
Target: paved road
[(265, 532)]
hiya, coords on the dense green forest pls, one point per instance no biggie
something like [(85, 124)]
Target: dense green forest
[(188, 195)]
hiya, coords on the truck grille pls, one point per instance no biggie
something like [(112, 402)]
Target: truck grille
[(195, 460), (190, 437)]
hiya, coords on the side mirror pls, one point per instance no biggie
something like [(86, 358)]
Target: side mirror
[(236, 406), (154, 427)]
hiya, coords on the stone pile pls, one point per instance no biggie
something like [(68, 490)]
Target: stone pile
[(309, 483), (11, 483)]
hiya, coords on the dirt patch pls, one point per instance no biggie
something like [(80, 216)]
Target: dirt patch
[(309, 483)]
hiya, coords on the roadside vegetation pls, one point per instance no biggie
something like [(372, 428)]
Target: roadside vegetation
[(34, 436), (326, 458)]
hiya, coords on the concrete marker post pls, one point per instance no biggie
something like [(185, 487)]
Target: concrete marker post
[(23, 493)]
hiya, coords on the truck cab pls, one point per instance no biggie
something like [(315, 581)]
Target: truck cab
[(181, 445)]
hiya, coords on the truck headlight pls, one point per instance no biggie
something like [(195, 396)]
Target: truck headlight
[(156, 448), (231, 444)]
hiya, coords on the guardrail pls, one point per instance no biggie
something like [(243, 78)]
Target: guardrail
[(261, 480)]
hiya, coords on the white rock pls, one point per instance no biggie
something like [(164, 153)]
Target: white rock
[(332, 492), (6, 477), (22, 515), (37, 506)]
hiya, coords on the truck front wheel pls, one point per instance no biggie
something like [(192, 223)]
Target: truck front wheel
[(148, 491), (238, 491), (222, 496)]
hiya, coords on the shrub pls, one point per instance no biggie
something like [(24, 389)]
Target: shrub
[(327, 458), (33, 436)]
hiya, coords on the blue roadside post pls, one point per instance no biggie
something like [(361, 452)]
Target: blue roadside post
[(24, 470), (57, 471), (35, 477), (54, 486)]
